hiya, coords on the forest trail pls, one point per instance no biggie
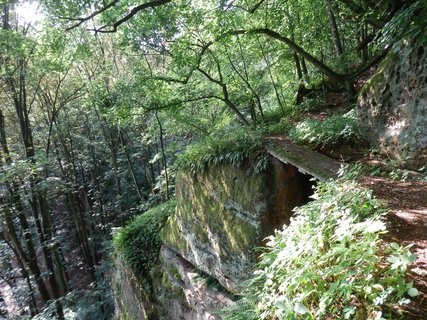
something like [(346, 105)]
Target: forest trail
[(406, 203), (407, 224)]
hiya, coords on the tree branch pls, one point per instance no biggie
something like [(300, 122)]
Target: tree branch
[(294, 47), (204, 48), (113, 28), (367, 40), (331, 74), (378, 58), (94, 14), (130, 15), (256, 6)]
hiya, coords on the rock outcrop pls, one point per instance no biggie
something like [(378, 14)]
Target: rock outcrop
[(184, 293), (131, 299), (392, 105), (223, 214), (210, 242)]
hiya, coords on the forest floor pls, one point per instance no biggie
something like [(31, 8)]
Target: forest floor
[(407, 224)]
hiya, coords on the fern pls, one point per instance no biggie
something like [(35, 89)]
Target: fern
[(232, 148)]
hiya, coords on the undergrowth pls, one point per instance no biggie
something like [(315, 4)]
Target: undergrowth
[(335, 130), (227, 148), (393, 169), (329, 263), (140, 242)]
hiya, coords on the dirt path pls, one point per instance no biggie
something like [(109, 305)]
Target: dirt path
[(407, 224), (406, 202)]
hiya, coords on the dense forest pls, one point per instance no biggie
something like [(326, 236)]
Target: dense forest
[(102, 102)]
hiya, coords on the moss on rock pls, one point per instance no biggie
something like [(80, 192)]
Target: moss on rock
[(223, 214)]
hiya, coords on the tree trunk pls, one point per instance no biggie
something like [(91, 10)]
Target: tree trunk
[(165, 163), (304, 69), (273, 82), (334, 28), (130, 166), (26, 275), (225, 94), (298, 67), (31, 260)]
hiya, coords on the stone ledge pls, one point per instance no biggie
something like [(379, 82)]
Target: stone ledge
[(307, 161)]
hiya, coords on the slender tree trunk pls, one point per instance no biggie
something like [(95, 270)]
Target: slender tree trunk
[(245, 79), (62, 273), (31, 260), (304, 69), (364, 56), (225, 94), (130, 166), (17, 89), (298, 67), (74, 209), (165, 160), (152, 175), (26, 275), (334, 28), (74, 206), (273, 82)]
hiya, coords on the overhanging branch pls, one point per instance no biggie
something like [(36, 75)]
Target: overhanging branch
[(113, 27), (130, 15), (327, 71), (89, 17)]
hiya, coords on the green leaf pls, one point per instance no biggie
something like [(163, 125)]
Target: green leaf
[(394, 245), (393, 259), (280, 305), (300, 308), (413, 292)]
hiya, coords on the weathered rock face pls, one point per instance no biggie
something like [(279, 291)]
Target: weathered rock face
[(179, 291), (392, 106), (130, 297), (224, 214), (210, 242), (184, 293)]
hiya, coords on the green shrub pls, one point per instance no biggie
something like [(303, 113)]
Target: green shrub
[(140, 242), (335, 130), (273, 115), (280, 128), (329, 263), (229, 148)]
